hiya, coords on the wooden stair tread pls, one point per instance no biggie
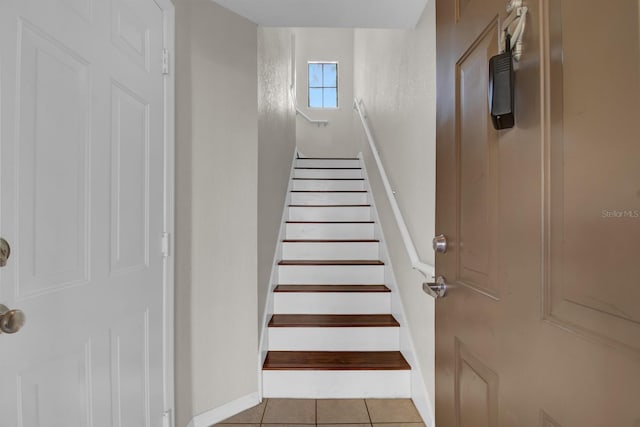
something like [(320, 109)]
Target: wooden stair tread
[(332, 321), (327, 158), (331, 288), (335, 360), (331, 241), (329, 206), (328, 179), (328, 191), (321, 167), (330, 222), (330, 262)]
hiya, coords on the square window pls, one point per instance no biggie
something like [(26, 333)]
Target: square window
[(323, 84)]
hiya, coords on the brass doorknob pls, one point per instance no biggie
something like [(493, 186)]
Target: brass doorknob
[(11, 321), (5, 252)]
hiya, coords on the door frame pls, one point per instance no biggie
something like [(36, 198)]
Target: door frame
[(168, 278)]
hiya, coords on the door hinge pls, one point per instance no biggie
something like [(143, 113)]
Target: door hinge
[(165, 244), (166, 418), (165, 61)]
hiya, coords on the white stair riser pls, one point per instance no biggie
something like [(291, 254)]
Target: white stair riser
[(332, 303), (328, 163), (322, 250), (329, 199), (327, 173), (327, 185), (336, 384), (334, 339), (331, 274), (351, 213), (330, 231)]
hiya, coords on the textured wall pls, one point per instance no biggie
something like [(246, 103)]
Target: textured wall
[(394, 73), (276, 144), (217, 190), (326, 44)]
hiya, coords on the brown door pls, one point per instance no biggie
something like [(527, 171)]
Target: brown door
[(541, 324)]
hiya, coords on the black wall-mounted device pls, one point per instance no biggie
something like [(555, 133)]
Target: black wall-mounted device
[(501, 89)]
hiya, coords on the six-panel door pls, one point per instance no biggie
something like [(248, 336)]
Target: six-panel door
[(541, 325), (81, 139)]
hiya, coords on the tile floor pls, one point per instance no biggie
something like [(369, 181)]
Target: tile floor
[(329, 412)]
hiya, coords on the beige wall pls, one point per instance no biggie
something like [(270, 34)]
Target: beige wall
[(183, 238), (217, 208), (394, 73), (276, 145), (336, 139)]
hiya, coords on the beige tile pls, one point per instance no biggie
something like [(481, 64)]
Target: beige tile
[(250, 416), (344, 425), (393, 411), (342, 411), (290, 411), (237, 425), (399, 425), (288, 425)]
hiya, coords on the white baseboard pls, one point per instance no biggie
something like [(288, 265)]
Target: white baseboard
[(207, 419), (273, 278), (420, 398)]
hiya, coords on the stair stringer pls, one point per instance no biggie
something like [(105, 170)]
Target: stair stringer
[(263, 347), (419, 392)]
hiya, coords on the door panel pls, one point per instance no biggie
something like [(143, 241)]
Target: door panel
[(81, 203), (39, 385), (477, 167), (130, 362), (540, 326), (476, 388), (52, 185), (130, 180), (130, 34), (592, 184)]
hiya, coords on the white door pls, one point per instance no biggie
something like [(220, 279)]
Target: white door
[(81, 139)]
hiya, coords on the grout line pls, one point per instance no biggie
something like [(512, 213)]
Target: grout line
[(264, 411), (368, 413)]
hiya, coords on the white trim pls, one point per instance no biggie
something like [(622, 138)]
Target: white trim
[(168, 361), (221, 413), (273, 280), (419, 392)]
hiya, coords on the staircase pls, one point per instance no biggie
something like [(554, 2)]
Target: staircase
[(332, 334)]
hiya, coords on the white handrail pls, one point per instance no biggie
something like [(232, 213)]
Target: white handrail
[(303, 114), (427, 270)]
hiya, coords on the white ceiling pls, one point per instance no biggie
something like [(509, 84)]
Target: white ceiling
[(329, 13)]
